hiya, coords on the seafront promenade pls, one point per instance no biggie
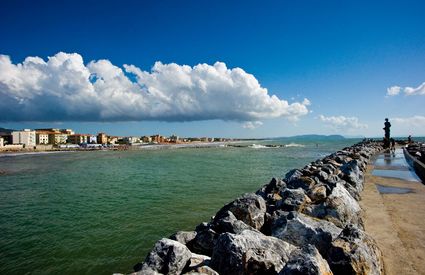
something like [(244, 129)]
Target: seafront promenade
[(393, 201)]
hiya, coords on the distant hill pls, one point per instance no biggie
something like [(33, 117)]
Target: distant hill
[(315, 137)]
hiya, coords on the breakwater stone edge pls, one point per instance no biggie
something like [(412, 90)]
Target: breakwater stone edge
[(308, 222)]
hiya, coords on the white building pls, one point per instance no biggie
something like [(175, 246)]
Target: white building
[(1, 142), (42, 137), (131, 140), (25, 137), (92, 139)]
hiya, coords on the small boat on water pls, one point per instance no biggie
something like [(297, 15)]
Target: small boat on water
[(415, 163)]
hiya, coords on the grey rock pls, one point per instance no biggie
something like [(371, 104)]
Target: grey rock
[(352, 174), (293, 199), (273, 187), (199, 260), (250, 208), (339, 208), (317, 194), (227, 222), (146, 271), (302, 182), (167, 257), (306, 261), (202, 270), (299, 229), (321, 175), (293, 174), (334, 163), (249, 253), (199, 264), (204, 241), (354, 252), (183, 237)]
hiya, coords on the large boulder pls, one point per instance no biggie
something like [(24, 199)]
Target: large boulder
[(297, 180), (339, 208), (300, 230), (354, 252), (293, 174), (146, 271), (274, 186), (293, 199), (199, 264), (250, 208), (317, 193), (204, 240), (184, 237), (306, 261), (167, 257), (249, 253), (227, 222), (351, 173)]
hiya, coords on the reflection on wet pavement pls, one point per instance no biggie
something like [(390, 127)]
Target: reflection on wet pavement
[(394, 165), (392, 190), (391, 162), (398, 174)]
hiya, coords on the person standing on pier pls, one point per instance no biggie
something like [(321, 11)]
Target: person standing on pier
[(387, 126)]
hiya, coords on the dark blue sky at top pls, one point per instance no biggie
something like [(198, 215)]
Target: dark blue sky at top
[(332, 52)]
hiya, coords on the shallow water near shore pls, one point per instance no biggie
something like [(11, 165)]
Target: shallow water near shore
[(101, 212)]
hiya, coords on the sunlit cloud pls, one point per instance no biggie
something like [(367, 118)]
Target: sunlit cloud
[(251, 125), (395, 90), (64, 88), (343, 123)]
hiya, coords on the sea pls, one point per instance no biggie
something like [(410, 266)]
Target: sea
[(101, 212)]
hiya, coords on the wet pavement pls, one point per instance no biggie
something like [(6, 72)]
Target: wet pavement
[(394, 165), (382, 189), (393, 201)]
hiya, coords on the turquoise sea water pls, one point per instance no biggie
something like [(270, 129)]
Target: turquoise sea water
[(101, 212)]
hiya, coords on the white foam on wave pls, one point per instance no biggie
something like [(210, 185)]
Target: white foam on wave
[(294, 145), (258, 146)]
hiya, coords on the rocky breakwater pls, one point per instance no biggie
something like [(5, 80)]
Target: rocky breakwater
[(309, 222)]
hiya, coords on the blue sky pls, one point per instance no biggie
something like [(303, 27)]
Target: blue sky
[(342, 56)]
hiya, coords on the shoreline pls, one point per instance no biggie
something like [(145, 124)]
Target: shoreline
[(309, 220), (163, 146), (119, 148)]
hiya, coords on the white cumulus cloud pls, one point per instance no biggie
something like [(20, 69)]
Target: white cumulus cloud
[(252, 124), (64, 88), (395, 90), (414, 125), (413, 122), (342, 122)]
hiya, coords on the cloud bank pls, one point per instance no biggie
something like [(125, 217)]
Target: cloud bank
[(251, 125), (63, 88), (343, 123), (412, 122), (395, 90)]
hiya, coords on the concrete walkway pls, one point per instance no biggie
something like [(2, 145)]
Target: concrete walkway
[(394, 204)]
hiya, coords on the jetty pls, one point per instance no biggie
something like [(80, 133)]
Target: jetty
[(394, 204), (338, 215)]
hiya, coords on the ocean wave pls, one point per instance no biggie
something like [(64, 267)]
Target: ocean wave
[(294, 145), (258, 146)]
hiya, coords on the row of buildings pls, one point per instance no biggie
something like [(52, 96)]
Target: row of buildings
[(30, 138)]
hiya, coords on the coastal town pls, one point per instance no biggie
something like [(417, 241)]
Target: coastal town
[(65, 139)]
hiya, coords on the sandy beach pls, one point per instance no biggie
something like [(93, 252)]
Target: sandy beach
[(395, 220), (136, 147)]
